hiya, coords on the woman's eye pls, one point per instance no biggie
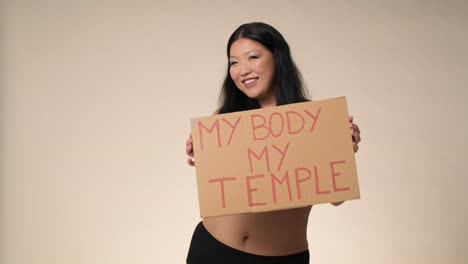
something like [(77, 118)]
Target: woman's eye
[(253, 57), (232, 63)]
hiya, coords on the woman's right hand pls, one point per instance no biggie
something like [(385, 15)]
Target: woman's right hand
[(189, 150)]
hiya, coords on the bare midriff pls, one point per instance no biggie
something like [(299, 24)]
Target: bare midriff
[(275, 233)]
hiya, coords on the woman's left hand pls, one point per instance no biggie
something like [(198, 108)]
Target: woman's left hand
[(355, 133)]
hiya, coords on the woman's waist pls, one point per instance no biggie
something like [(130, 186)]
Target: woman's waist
[(273, 233)]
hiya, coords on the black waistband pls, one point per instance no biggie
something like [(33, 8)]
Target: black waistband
[(206, 249)]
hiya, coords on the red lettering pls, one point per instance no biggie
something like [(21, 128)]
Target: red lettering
[(232, 126), (255, 126), (271, 125), (300, 180), (250, 190), (334, 174), (210, 130), (288, 119), (221, 181), (314, 118), (282, 153), (251, 153), (284, 179), (317, 185)]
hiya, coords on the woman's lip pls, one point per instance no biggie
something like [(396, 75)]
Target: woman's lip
[(252, 78), (248, 83)]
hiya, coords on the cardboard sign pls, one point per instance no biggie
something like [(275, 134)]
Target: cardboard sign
[(274, 158)]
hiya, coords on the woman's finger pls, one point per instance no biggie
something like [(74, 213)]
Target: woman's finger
[(356, 137), (355, 127), (355, 147), (189, 147), (189, 150), (191, 161)]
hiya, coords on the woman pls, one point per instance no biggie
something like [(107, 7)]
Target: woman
[(261, 73)]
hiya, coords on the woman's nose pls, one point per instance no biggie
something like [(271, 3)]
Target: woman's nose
[(245, 69)]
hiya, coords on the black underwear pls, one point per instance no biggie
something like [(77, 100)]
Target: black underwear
[(206, 249)]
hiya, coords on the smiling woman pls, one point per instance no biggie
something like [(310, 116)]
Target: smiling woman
[(270, 62), (252, 69), (261, 73)]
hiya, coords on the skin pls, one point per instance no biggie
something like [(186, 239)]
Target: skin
[(274, 233), (252, 70)]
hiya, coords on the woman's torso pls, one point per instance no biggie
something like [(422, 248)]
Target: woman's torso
[(273, 233)]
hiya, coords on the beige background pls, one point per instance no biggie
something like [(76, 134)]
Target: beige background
[(97, 97)]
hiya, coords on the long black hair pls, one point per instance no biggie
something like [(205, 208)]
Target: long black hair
[(287, 81)]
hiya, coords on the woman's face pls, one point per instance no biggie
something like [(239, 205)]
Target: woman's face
[(252, 69)]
